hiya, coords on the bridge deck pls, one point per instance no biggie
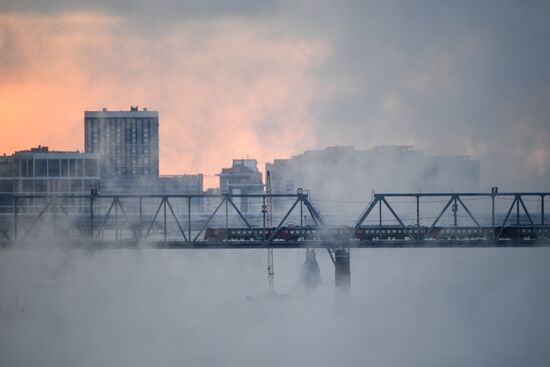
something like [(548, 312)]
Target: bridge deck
[(305, 244)]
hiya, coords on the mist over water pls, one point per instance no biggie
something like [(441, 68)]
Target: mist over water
[(147, 307)]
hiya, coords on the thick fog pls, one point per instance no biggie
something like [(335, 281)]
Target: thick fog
[(270, 79), (413, 307)]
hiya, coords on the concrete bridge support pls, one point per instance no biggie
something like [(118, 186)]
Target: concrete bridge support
[(310, 276), (342, 272)]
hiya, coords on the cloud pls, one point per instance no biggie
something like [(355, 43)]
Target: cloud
[(449, 78), (273, 78), (224, 90), (161, 10)]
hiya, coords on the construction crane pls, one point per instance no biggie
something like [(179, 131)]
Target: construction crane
[(269, 222)]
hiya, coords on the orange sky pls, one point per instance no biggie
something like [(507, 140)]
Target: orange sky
[(225, 90)]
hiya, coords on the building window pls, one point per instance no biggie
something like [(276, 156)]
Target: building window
[(53, 167), (27, 186), (40, 186), (6, 186), (64, 167), (63, 186), (79, 167), (90, 168), (41, 167), (76, 185), (24, 167)]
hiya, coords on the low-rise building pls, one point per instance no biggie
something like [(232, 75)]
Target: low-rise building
[(153, 185), (39, 170)]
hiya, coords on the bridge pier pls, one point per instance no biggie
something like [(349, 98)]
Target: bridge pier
[(310, 276), (342, 271)]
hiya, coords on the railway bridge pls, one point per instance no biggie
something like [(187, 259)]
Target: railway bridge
[(208, 221)]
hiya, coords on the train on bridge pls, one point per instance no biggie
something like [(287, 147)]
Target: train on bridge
[(376, 233)]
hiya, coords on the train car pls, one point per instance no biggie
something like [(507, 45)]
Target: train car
[(376, 233), (522, 232), (459, 233), (235, 234), (285, 233)]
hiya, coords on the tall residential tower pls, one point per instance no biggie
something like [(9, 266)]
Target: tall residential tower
[(126, 141)]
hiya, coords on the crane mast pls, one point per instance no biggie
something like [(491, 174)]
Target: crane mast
[(269, 224)]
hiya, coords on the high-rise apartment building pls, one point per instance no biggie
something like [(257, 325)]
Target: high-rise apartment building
[(126, 141)]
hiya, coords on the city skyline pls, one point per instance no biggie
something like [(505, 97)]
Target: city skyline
[(211, 180), (271, 80)]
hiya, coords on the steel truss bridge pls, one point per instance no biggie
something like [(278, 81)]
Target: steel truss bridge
[(218, 222)]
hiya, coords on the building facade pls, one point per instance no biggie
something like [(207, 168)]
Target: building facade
[(39, 170), (344, 173), (242, 177), (126, 141), (151, 185)]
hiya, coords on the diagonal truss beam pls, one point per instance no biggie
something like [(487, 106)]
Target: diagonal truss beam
[(51, 203), (57, 205), (439, 216), (317, 218), (315, 214), (125, 215), (393, 212), (241, 215), (525, 210), (507, 216), (468, 211), (210, 218), (366, 213), (283, 220), (104, 221), (176, 219), (38, 217), (154, 219)]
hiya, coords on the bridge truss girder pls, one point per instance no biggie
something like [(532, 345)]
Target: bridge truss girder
[(454, 199), (140, 226)]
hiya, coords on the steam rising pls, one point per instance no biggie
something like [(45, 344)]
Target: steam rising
[(172, 308), (268, 80)]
